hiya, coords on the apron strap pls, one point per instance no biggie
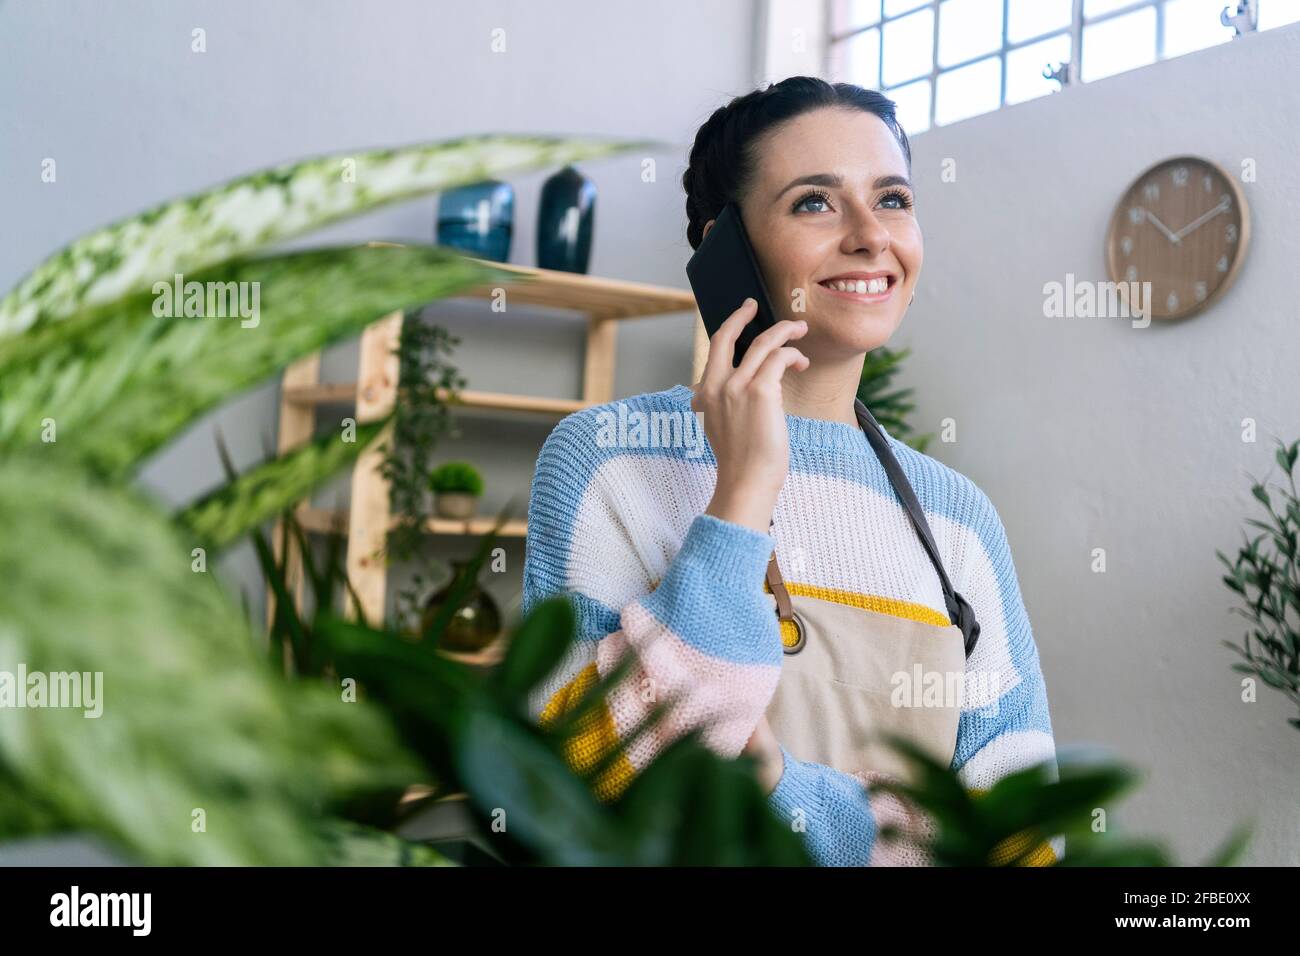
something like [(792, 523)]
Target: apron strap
[(959, 610), (784, 609)]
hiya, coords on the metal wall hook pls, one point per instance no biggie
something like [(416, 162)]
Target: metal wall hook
[(1244, 20)]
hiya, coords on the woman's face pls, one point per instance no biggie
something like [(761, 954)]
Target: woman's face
[(831, 198)]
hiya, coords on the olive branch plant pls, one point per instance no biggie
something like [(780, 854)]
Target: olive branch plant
[(1266, 575)]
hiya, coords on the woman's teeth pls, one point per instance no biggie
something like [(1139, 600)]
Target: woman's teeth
[(860, 286)]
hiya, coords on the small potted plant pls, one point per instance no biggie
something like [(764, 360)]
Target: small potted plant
[(456, 488)]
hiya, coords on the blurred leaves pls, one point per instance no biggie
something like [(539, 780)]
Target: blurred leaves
[(474, 732), (97, 581), (263, 492), (120, 381), (1008, 824)]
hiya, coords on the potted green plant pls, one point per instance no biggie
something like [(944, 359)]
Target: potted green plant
[(456, 488)]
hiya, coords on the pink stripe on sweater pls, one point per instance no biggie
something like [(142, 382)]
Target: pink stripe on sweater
[(725, 698)]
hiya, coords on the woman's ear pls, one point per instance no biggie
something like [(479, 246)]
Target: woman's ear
[(707, 226)]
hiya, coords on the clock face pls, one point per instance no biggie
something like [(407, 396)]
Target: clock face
[(1183, 226)]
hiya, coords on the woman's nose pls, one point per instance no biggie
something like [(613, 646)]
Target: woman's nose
[(866, 234)]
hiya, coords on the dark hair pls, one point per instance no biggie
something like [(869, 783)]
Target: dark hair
[(723, 158)]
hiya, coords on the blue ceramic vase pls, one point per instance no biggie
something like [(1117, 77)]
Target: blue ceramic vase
[(478, 218), (565, 221)]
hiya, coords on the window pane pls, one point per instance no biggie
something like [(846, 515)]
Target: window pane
[(968, 28), (968, 91), (913, 106), (1193, 25), (1119, 44), (849, 14), (1031, 18), (895, 7), (909, 47), (857, 60), (1275, 13), (1095, 8), (1025, 79)]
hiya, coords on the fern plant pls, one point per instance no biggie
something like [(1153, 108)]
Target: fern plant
[(890, 407)]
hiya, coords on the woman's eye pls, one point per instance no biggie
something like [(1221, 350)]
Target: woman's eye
[(896, 200), (812, 198)]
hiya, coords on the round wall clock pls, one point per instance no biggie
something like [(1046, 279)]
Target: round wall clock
[(1183, 226)]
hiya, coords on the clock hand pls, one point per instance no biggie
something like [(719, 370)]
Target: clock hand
[(1201, 220), (1160, 225)]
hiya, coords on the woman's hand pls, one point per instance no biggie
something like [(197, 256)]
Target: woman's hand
[(764, 748), (744, 417)]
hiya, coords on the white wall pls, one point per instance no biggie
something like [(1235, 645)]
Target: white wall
[(1085, 433)]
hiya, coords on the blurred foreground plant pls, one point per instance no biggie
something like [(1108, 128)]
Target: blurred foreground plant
[(201, 754)]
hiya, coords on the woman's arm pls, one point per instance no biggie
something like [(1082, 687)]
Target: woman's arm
[(704, 637), (1010, 731)]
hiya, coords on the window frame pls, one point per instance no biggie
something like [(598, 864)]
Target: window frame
[(1074, 29)]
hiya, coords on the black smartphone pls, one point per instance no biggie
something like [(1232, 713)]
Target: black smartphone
[(723, 273)]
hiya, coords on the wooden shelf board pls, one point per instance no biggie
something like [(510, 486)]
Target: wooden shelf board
[(516, 528), (324, 520), (595, 296), (343, 393)]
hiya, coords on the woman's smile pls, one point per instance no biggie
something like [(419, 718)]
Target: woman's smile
[(867, 288)]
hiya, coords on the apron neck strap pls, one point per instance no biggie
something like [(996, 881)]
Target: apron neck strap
[(959, 611)]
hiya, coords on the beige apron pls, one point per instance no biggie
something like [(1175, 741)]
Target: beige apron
[(851, 674)]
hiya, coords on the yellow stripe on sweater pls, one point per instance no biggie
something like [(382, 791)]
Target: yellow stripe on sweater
[(594, 736), (870, 602)]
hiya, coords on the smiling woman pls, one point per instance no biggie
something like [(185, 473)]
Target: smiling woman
[(777, 591)]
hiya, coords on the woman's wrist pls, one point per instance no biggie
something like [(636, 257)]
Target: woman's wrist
[(742, 506)]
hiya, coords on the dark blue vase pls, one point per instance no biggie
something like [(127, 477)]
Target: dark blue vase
[(478, 218), (565, 220)]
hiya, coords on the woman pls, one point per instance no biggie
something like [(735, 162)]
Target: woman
[(775, 589)]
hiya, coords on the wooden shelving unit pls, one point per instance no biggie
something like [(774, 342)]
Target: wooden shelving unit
[(601, 303)]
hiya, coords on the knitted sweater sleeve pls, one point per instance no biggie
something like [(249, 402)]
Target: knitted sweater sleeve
[(702, 634), (1012, 731)]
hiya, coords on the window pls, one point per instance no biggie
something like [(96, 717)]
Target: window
[(946, 60)]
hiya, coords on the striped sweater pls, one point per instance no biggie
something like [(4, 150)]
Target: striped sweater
[(616, 523)]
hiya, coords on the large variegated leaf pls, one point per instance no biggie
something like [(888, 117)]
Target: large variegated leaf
[(256, 496), (188, 749), (250, 212), (113, 384)]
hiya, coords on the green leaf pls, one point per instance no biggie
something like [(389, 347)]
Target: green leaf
[(536, 647), (193, 727), (260, 494), (1259, 492), (1234, 845), (513, 775), (250, 212), (462, 587), (352, 844), (120, 382)]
